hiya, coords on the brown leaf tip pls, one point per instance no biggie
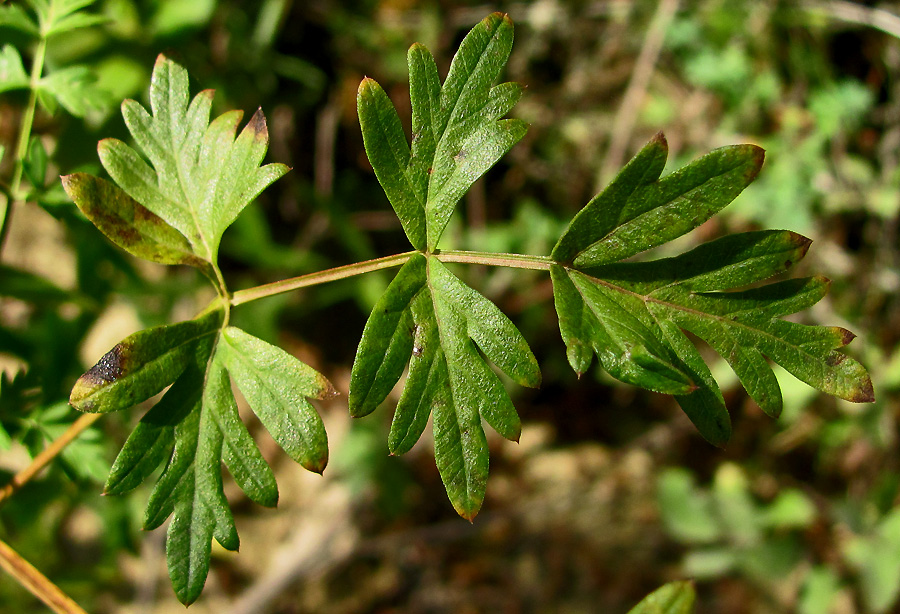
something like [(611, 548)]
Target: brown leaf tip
[(846, 335), (758, 157), (257, 124), (865, 393), (317, 465)]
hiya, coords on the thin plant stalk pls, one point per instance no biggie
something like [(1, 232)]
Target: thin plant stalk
[(16, 197), (37, 583), (48, 454), (516, 261)]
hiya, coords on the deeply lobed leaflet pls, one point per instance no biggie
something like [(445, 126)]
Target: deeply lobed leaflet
[(631, 315)]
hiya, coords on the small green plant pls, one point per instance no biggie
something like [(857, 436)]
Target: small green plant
[(728, 531), (171, 202)]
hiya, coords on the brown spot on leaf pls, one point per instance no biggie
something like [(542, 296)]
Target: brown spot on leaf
[(109, 368), (835, 358)]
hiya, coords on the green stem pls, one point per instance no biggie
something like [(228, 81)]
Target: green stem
[(222, 289), (37, 67), (320, 277), (516, 261)]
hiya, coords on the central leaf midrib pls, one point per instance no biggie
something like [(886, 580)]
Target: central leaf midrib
[(624, 221), (648, 298), (450, 110), (181, 170)]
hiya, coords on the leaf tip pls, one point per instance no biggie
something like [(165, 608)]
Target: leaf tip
[(257, 124), (317, 465), (757, 157), (864, 393), (366, 85), (846, 336), (326, 389)]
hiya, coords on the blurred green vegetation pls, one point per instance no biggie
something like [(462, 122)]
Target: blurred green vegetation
[(611, 492)]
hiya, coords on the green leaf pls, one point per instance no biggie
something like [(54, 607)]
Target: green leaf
[(201, 511), (74, 87), (201, 176), (389, 155), (196, 426), (128, 224), (151, 441), (387, 340), (57, 16), (633, 315), (450, 331), (76, 21), (457, 131), (239, 451), (277, 386), (876, 558), (694, 292), (671, 598), (141, 365), (594, 317), (32, 288), (638, 210), (14, 16), (12, 73), (35, 163), (186, 424), (687, 511)]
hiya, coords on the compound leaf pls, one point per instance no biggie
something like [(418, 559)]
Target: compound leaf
[(450, 331), (57, 16), (14, 16), (277, 386), (202, 176), (74, 87), (129, 224), (633, 315), (457, 131), (141, 365)]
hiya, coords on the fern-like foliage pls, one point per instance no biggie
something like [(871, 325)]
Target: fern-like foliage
[(172, 204), (173, 210), (631, 315)]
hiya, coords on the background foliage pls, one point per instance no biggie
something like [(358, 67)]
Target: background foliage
[(794, 515)]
